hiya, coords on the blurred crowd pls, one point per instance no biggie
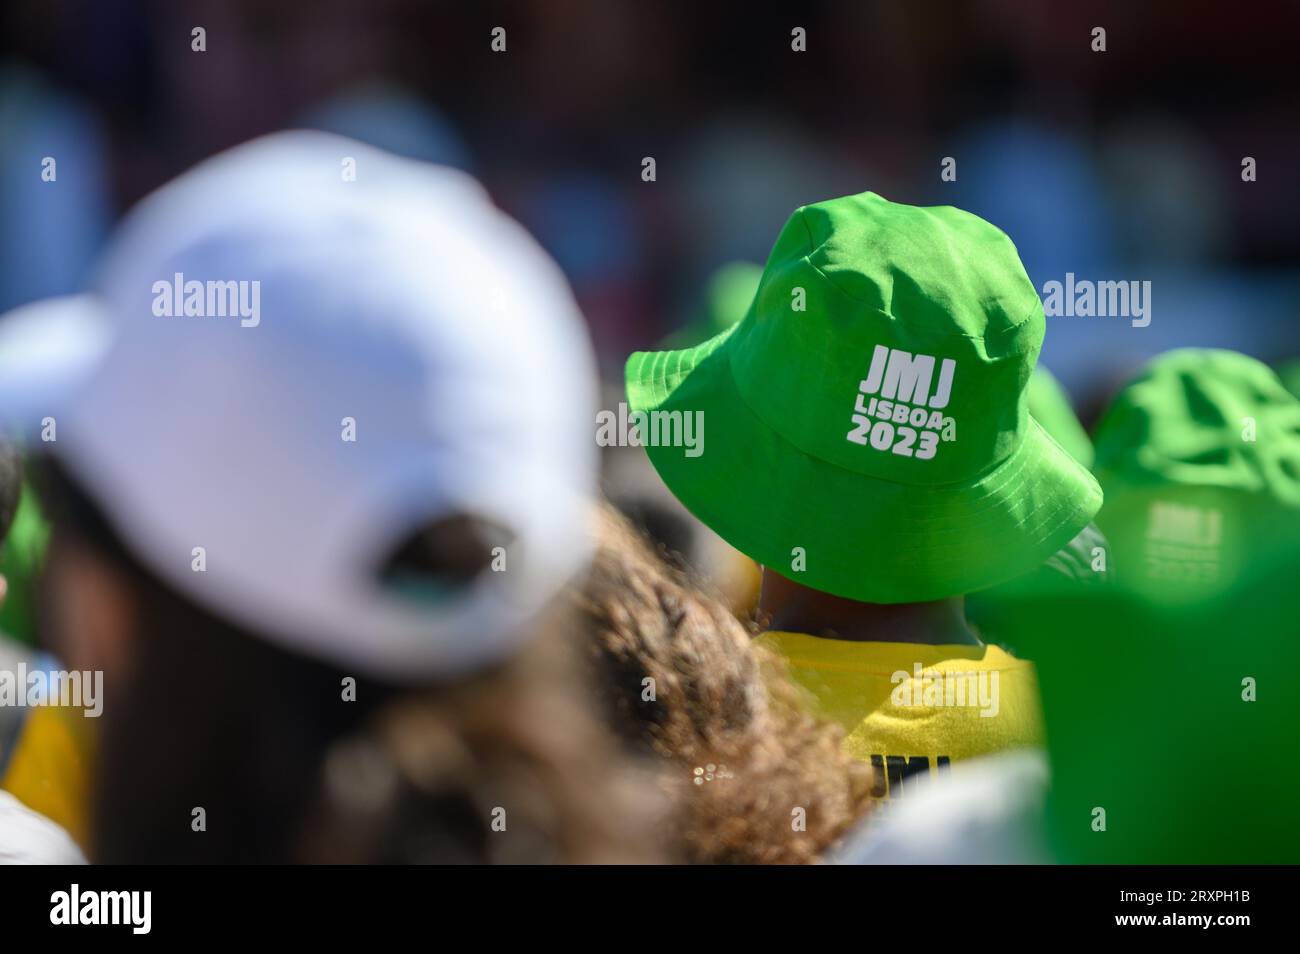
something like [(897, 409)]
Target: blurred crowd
[(1104, 164)]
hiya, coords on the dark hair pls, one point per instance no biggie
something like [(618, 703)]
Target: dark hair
[(11, 485), (216, 717)]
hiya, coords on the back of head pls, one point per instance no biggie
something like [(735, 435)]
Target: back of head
[(293, 759), (321, 473)]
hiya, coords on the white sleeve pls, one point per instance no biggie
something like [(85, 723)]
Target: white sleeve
[(29, 838)]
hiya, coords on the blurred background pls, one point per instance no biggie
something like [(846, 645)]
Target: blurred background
[(1122, 165)]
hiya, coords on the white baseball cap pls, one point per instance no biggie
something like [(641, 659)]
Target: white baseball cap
[(253, 315)]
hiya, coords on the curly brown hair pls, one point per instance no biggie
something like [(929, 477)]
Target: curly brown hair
[(754, 776)]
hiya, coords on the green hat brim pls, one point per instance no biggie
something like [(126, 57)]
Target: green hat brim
[(866, 539)]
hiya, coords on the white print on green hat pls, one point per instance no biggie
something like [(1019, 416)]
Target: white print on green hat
[(1182, 542), (898, 383)]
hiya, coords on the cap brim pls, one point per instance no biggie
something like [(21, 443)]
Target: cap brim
[(855, 536), (47, 350)]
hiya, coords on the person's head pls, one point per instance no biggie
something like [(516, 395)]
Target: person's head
[(1200, 458), (868, 431), (682, 683), (320, 474), (292, 758)]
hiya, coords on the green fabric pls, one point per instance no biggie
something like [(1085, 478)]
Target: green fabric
[(1084, 562), (1200, 459), (727, 296), (1146, 719), (1050, 406), (1185, 419), (21, 557), (809, 467), (1166, 694), (1289, 373)]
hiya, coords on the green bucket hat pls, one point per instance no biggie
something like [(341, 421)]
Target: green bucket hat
[(867, 424), (1200, 459)]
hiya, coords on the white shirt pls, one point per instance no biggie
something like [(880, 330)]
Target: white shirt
[(29, 838)]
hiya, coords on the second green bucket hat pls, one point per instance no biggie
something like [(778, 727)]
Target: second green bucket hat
[(867, 427), (1200, 458)]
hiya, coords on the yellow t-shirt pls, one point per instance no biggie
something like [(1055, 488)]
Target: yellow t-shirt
[(911, 708), (47, 769)]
